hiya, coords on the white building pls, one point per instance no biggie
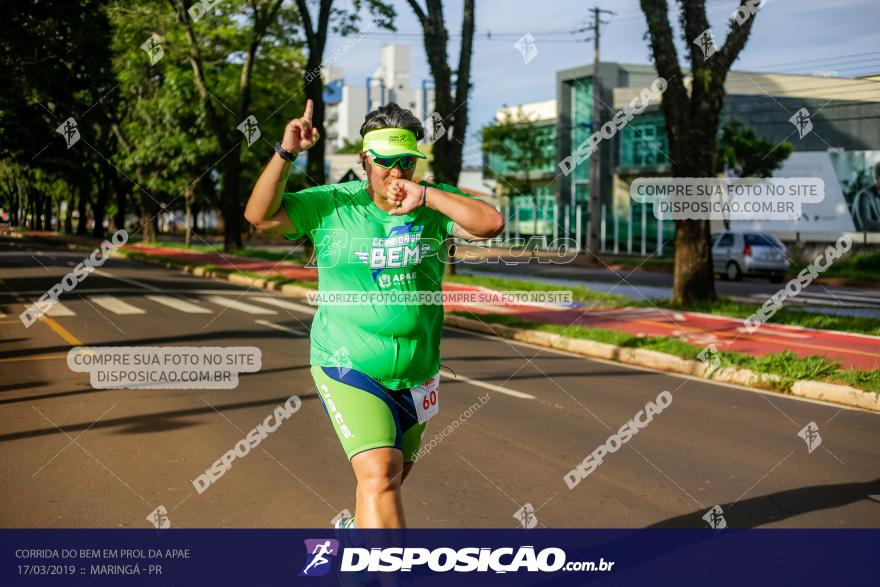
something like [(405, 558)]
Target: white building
[(543, 112), (391, 82)]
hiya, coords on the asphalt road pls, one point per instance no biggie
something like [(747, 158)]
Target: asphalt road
[(73, 456)]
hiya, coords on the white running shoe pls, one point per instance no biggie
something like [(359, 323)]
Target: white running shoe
[(350, 540), (345, 523)]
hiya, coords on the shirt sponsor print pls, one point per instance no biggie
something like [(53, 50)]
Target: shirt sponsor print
[(400, 249)]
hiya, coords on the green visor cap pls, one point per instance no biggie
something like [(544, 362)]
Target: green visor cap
[(391, 142)]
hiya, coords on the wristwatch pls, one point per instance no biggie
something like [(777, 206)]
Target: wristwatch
[(285, 154)]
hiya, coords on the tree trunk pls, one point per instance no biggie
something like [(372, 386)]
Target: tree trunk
[(14, 209), (68, 218), (694, 277), (35, 216), (315, 92), (47, 213), (187, 219), (316, 40), (231, 206), (99, 209), (81, 225), (148, 221), (447, 152), (196, 210), (692, 117), (120, 194), (693, 153), (38, 210)]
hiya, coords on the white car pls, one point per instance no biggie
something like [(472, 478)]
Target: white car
[(735, 254)]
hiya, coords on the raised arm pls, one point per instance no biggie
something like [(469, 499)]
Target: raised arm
[(263, 208)]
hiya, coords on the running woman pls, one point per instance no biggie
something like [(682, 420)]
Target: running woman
[(375, 366)]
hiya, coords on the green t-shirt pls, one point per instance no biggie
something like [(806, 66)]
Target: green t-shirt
[(361, 248)]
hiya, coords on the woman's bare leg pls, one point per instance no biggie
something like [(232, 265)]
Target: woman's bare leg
[(379, 474), (407, 467)]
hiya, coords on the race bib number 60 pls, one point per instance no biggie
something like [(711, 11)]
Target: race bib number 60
[(426, 398)]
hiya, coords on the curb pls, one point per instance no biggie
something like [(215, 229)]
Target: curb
[(838, 394), (291, 289), (815, 390)]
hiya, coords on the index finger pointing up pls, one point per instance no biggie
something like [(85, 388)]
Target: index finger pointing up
[(307, 114)]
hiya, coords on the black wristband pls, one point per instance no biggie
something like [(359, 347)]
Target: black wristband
[(285, 154)]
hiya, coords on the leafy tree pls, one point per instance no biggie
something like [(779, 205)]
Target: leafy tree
[(55, 64), (692, 120), (343, 22), (223, 43), (451, 108), (522, 145), (748, 155)]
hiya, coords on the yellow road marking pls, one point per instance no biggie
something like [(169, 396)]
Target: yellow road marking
[(34, 358), (61, 331)]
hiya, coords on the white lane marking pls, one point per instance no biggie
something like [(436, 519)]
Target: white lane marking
[(679, 317), (127, 280), (804, 299), (286, 304), (179, 304), (834, 295), (280, 327), (484, 385), (240, 306), (116, 305), (825, 300), (772, 331), (59, 309)]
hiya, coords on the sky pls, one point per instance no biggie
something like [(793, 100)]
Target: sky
[(788, 36)]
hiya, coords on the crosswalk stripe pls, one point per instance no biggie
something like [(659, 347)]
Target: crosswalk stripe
[(286, 304), (59, 309), (179, 304), (240, 306), (115, 305)]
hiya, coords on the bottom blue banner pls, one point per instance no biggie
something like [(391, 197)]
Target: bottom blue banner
[(436, 557)]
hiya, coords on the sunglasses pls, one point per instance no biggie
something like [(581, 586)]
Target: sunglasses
[(405, 161)]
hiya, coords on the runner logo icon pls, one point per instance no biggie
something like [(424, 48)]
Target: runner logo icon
[(320, 553)]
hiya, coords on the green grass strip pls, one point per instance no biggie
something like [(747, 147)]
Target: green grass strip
[(787, 365)]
